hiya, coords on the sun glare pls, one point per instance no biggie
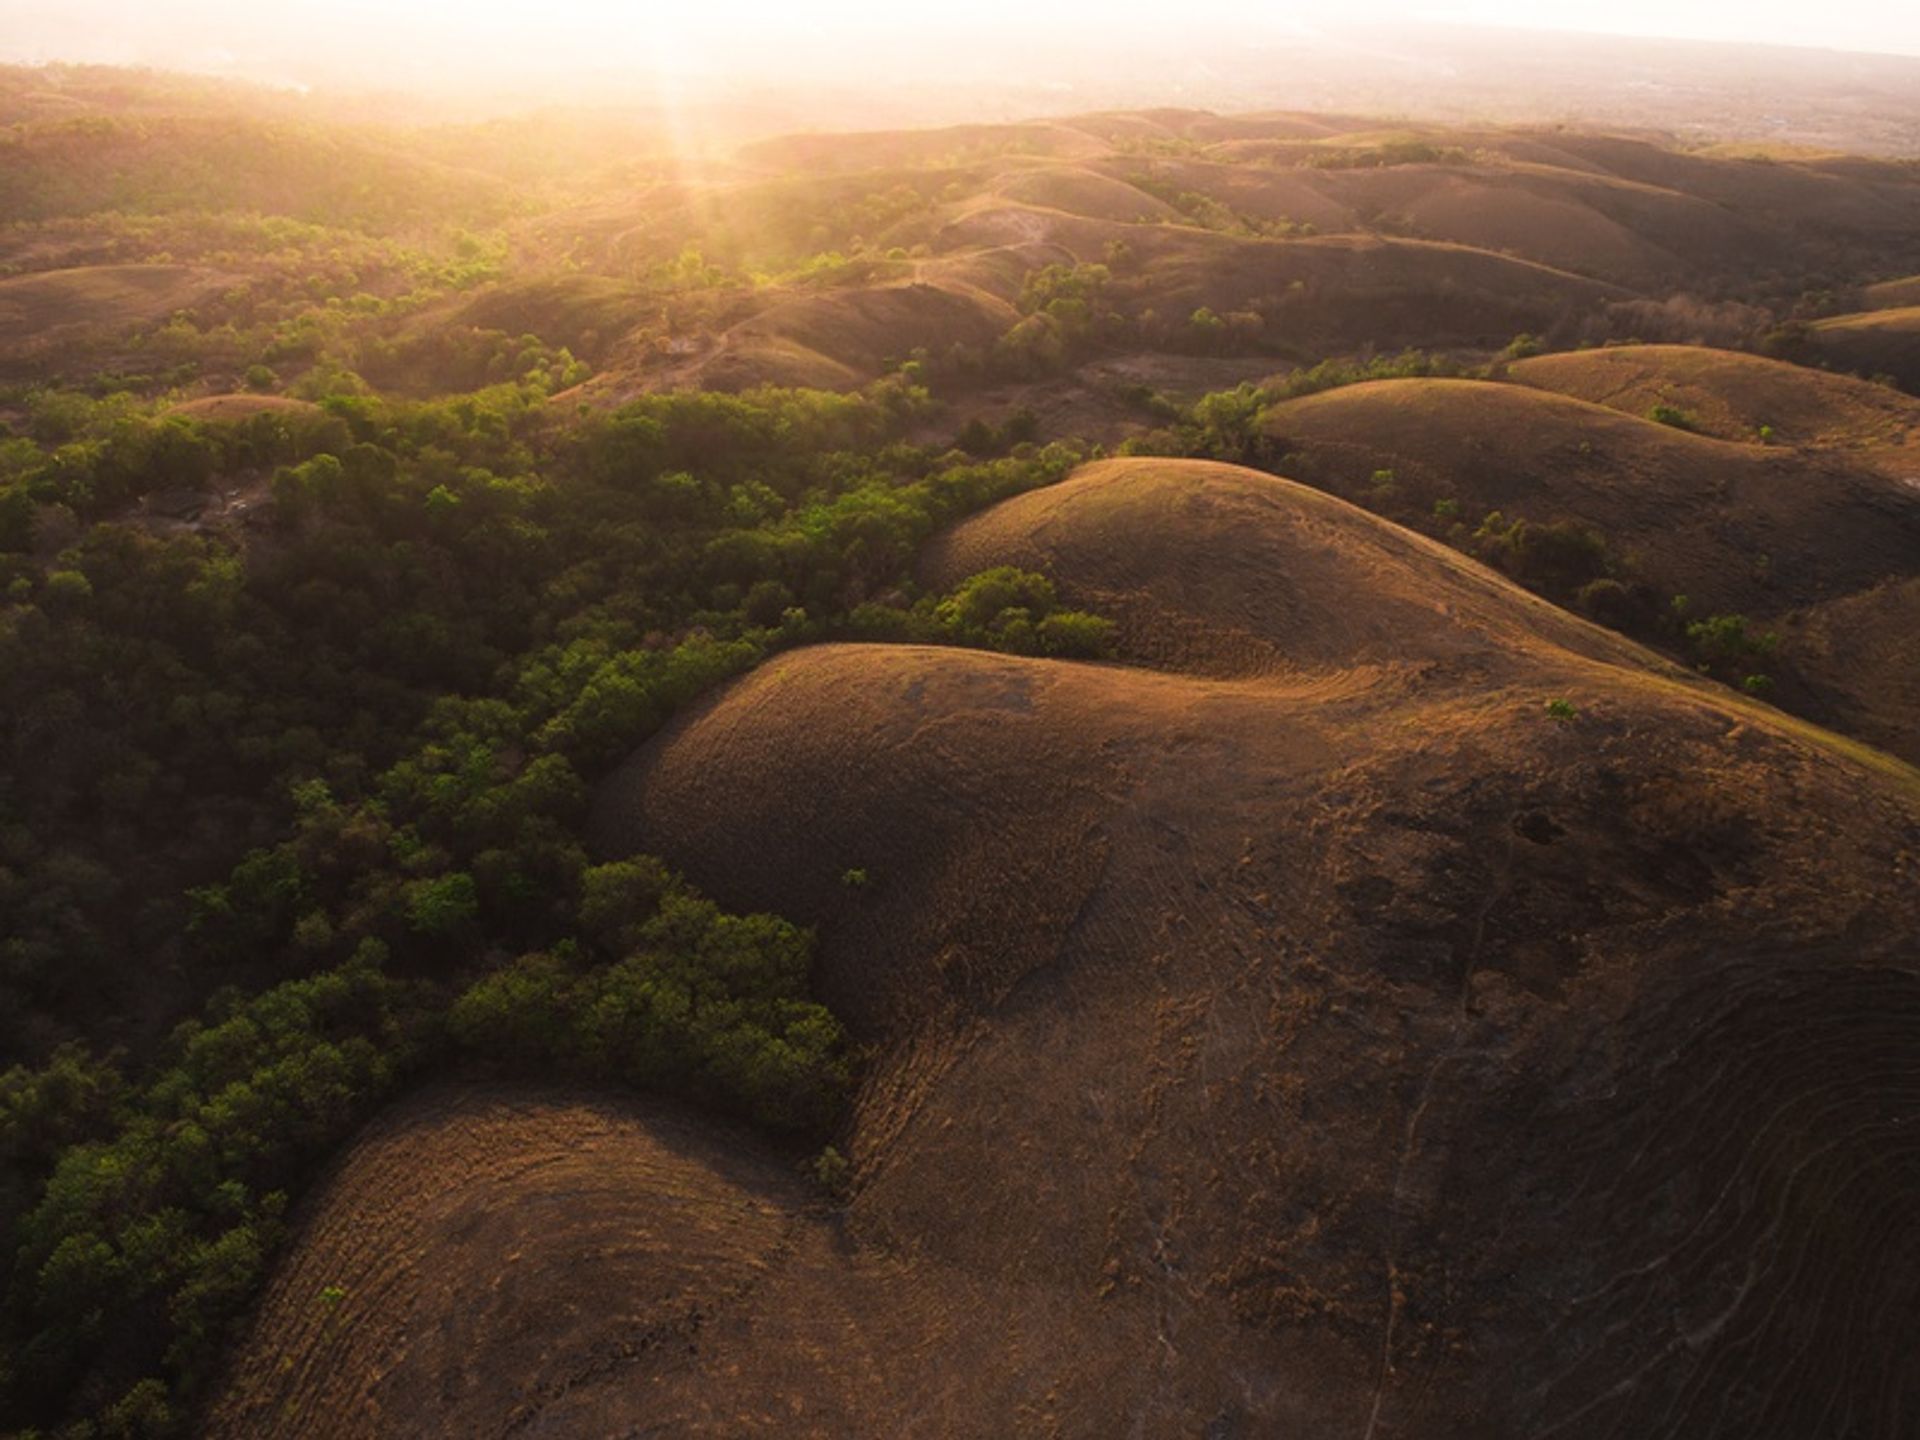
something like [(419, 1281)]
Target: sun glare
[(445, 45)]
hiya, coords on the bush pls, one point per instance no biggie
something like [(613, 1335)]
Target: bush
[(1609, 603), (1726, 643), (1075, 635), (1559, 558), (1014, 610), (977, 603), (706, 1004)]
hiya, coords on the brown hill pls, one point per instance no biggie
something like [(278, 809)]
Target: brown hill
[(1310, 297), (226, 408), (1731, 395), (1759, 531), (1615, 207), (843, 338), (1893, 294), (1294, 1029), (585, 313), (1317, 295), (51, 319), (1079, 190), (1857, 197), (1738, 527), (1319, 235), (957, 144), (1571, 219), (1878, 342), (1860, 657)]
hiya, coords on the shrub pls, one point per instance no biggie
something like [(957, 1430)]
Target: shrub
[(703, 1003), (978, 602), (1725, 642), (1608, 602), (832, 1172), (1075, 635)]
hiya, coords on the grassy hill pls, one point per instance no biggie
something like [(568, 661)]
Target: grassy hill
[(1318, 1015), (1648, 523)]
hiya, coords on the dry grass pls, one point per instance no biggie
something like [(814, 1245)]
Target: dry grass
[(48, 314), (224, 409), (1290, 1028), (1878, 342), (1762, 531), (1731, 395)]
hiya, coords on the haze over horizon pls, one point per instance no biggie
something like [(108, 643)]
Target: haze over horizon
[(499, 48), (1029, 720)]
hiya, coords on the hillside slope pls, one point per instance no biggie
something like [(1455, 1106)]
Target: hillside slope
[(1353, 1045), (1732, 395), (1875, 342), (1762, 531)]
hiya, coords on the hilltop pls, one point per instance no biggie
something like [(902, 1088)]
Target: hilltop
[(1706, 511)]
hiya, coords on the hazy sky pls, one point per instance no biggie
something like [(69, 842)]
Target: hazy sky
[(388, 39)]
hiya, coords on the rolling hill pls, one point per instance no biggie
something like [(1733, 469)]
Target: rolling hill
[(824, 259), (1875, 342), (1131, 773), (49, 314), (1762, 531), (1732, 395), (1354, 1045)]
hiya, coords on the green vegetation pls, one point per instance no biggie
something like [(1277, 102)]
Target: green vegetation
[(832, 1172), (162, 1203), (1064, 314), (1385, 155), (1727, 646), (699, 1001), (327, 769), (1561, 709), (1664, 414), (1208, 213), (1004, 609), (1560, 559)]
